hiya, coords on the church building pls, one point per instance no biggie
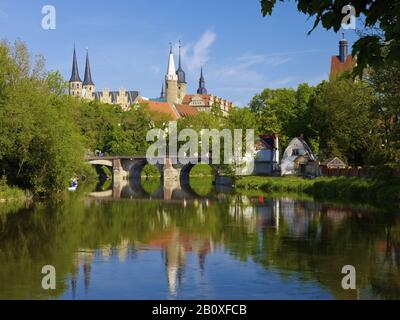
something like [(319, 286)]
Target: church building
[(173, 101), (86, 89)]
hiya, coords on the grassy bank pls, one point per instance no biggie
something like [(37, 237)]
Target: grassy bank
[(342, 188), (11, 194)]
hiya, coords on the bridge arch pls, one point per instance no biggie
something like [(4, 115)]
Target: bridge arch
[(101, 162), (185, 179)]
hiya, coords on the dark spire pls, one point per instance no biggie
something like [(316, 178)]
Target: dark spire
[(180, 73), (88, 75), (180, 47), (202, 84), (75, 72), (163, 95), (343, 49)]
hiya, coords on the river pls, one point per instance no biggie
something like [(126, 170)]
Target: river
[(200, 243)]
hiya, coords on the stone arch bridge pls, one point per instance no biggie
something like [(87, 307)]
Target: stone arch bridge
[(175, 177)]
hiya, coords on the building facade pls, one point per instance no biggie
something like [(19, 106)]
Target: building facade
[(174, 91), (86, 89), (174, 100)]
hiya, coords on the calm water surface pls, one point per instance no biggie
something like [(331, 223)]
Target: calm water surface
[(150, 243)]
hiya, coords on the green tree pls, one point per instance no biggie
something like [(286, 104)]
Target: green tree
[(342, 118), (40, 145), (386, 84), (379, 41), (285, 112)]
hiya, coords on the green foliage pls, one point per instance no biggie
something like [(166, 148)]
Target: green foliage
[(379, 42), (385, 192), (342, 118), (386, 84), (201, 186), (285, 112), (151, 184), (151, 171), (268, 184), (40, 145), (56, 83), (201, 170)]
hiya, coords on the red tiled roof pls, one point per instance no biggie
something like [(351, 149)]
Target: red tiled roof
[(160, 107), (338, 67), (188, 98), (185, 110)]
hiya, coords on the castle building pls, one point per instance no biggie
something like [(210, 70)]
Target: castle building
[(173, 101), (344, 61)]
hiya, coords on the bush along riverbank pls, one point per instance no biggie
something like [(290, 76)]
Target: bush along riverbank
[(11, 194), (376, 191)]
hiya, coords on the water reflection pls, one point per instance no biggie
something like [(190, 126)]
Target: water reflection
[(219, 246), (153, 189)]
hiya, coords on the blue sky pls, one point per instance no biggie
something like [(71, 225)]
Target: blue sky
[(128, 42)]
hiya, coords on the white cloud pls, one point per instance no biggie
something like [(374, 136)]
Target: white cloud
[(243, 68), (156, 69), (197, 55), (277, 83)]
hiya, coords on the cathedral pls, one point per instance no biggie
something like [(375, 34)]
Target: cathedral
[(173, 100), (86, 89)]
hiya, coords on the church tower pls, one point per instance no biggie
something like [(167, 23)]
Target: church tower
[(202, 84), (343, 50), (88, 84), (163, 94), (181, 78), (171, 80), (75, 83)]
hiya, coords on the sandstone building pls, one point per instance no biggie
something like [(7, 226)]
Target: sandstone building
[(173, 101)]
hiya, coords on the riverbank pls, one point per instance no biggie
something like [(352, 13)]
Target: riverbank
[(11, 194), (375, 191)]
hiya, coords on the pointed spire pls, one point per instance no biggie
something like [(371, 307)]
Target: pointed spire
[(180, 73), (202, 84), (180, 62), (171, 73), (75, 72), (88, 75), (163, 95)]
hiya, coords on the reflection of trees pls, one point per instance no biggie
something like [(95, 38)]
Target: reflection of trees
[(333, 238), (313, 240)]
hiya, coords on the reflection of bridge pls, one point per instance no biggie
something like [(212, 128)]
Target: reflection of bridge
[(174, 176)]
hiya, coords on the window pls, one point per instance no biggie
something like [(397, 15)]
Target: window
[(295, 152)]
